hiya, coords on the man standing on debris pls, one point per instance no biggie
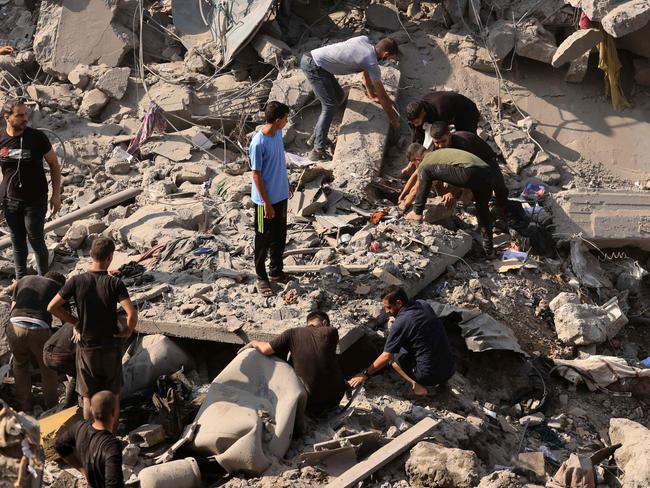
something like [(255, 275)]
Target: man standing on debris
[(27, 332), (313, 354), (443, 138), (417, 347), (447, 106), (460, 169), (24, 186), (96, 295), (270, 192), (343, 58), (89, 445)]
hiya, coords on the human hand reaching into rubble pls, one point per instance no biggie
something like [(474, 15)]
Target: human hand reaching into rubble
[(357, 380), (7, 50), (448, 200)]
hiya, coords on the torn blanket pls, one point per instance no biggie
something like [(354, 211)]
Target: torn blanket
[(248, 415)]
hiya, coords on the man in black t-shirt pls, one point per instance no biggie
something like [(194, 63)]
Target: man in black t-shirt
[(96, 294), (27, 331), (23, 190), (417, 346), (89, 446), (313, 356)]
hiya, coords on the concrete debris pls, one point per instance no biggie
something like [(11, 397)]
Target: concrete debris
[(628, 17), (517, 149), (434, 465), (501, 479), (93, 103), (607, 218), (22, 457), (501, 38), (578, 43), (535, 42), (182, 473), (148, 435), (595, 9), (578, 69), (64, 29), (270, 49), (55, 96), (383, 17), (114, 82), (293, 89), (633, 456)]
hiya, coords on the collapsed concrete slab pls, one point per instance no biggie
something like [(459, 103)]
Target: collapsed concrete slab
[(633, 456), (608, 218), (575, 45), (362, 137), (230, 424), (535, 42), (432, 464), (626, 18), (75, 32)]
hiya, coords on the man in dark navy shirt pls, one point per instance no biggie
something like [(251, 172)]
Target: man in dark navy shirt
[(417, 347)]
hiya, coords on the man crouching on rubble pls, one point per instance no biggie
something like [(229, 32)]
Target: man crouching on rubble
[(89, 446), (270, 192), (460, 169), (313, 355), (99, 349), (417, 347)]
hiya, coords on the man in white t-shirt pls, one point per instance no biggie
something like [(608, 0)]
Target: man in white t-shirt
[(356, 55)]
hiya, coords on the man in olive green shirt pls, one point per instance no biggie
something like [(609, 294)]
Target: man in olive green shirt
[(460, 169)]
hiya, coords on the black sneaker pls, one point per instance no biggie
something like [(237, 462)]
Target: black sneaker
[(316, 155)]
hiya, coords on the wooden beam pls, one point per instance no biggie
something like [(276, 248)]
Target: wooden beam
[(384, 455)]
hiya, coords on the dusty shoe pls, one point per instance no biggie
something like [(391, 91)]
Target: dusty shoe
[(328, 142), (316, 155)]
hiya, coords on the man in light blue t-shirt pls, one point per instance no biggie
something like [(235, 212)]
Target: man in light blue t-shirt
[(270, 192), (355, 55)]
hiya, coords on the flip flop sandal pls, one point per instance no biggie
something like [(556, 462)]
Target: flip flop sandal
[(264, 288)]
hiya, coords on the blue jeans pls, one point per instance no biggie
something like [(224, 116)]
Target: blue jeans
[(26, 221), (330, 94)]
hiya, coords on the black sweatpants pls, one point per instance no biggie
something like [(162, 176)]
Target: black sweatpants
[(270, 240), (478, 179)]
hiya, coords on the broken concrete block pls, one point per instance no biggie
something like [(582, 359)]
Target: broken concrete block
[(626, 18), (578, 43), (383, 17), (517, 149), (432, 464), (72, 32), (173, 99), (154, 356), (194, 173), (636, 42), (116, 166), (270, 49), (114, 82), (633, 456), (501, 38), (53, 96), (93, 103), (642, 71), (234, 431), (535, 42), (309, 200), (501, 479), (435, 211), (174, 150), (76, 236), (80, 76), (595, 9), (195, 62), (293, 90), (608, 218), (533, 463), (182, 473), (578, 69), (147, 435)]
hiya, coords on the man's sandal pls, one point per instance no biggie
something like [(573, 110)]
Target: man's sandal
[(264, 288)]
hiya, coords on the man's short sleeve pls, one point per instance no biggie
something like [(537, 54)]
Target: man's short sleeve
[(282, 344), (67, 290), (256, 153), (373, 71), (65, 442), (395, 338), (44, 144), (120, 291), (113, 476)]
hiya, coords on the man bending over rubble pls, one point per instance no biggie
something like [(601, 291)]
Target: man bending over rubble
[(24, 186), (443, 138), (343, 58), (270, 192), (89, 445), (460, 169), (448, 106), (99, 351), (313, 354), (417, 347)]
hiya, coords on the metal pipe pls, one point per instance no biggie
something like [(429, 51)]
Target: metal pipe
[(100, 204)]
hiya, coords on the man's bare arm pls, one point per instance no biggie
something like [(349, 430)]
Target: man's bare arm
[(55, 175), (386, 103), (263, 347), (56, 308), (367, 83), (131, 318)]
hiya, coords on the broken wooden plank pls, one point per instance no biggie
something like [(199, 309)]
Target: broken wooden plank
[(384, 455), (316, 268), (145, 296)]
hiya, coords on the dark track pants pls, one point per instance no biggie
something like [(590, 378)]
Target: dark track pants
[(270, 240)]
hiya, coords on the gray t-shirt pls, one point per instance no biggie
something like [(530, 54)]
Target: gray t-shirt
[(347, 57)]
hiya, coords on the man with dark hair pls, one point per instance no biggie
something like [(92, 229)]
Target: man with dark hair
[(343, 58), (89, 445), (460, 169), (313, 355), (443, 138), (448, 106), (28, 330), (96, 295), (270, 192), (23, 190), (417, 347)]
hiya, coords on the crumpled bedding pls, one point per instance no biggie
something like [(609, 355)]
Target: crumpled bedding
[(249, 413)]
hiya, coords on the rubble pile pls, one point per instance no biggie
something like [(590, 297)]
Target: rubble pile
[(152, 121)]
